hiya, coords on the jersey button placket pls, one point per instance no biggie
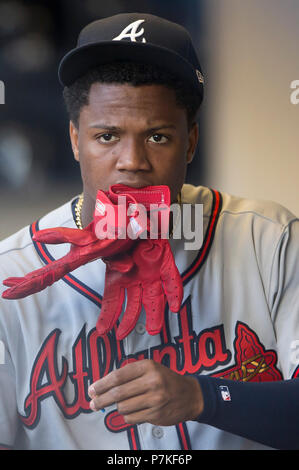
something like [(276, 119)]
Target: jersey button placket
[(157, 432), (140, 328)]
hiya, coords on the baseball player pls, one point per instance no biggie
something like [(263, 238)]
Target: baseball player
[(219, 373)]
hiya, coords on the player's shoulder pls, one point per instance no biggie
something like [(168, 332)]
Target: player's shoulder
[(268, 210), (236, 207), (18, 250)]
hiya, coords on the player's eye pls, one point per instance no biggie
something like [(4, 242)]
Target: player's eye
[(107, 138), (158, 139)]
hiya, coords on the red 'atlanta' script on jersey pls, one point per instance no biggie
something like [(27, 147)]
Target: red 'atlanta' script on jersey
[(93, 357)]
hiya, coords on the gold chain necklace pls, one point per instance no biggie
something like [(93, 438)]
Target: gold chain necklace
[(78, 210)]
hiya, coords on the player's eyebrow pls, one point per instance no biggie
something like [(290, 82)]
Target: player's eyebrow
[(116, 128), (161, 127), (104, 126)]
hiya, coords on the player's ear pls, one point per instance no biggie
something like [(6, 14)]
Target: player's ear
[(74, 140), (193, 139)]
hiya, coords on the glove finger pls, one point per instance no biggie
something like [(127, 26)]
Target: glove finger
[(12, 281), (24, 287), (112, 303), (65, 235), (39, 279), (174, 292), (154, 302), (172, 282), (132, 312)]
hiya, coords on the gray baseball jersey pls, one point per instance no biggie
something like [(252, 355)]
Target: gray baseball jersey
[(238, 320)]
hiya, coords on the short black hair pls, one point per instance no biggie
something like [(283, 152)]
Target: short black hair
[(134, 73)]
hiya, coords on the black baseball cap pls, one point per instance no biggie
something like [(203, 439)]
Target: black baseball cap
[(138, 37)]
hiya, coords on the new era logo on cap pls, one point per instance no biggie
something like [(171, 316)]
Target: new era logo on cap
[(199, 76)]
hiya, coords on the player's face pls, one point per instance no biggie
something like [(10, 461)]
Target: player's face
[(136, 136)]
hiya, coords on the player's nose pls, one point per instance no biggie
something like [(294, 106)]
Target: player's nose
[(133, 157)]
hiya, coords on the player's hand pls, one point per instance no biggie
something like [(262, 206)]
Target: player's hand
[(148, 392), (153, 280)]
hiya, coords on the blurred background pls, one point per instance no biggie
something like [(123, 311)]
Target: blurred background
[(249, 137)]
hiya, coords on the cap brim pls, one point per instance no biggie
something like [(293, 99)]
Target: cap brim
[(78, 61)]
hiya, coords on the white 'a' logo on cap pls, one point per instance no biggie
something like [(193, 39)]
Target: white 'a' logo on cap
[(131, 32)]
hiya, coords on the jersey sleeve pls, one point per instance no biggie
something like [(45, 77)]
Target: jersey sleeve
[(266, 412), (8, 414), (9, 346), (283, 299)]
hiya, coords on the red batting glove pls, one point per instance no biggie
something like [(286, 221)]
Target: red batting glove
[(85, 247), (148, 272), (153, 280)]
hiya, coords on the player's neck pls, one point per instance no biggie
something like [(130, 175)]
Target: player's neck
[(87, 210)]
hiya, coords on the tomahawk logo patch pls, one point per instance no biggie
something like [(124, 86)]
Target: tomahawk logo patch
[(252, 361)]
